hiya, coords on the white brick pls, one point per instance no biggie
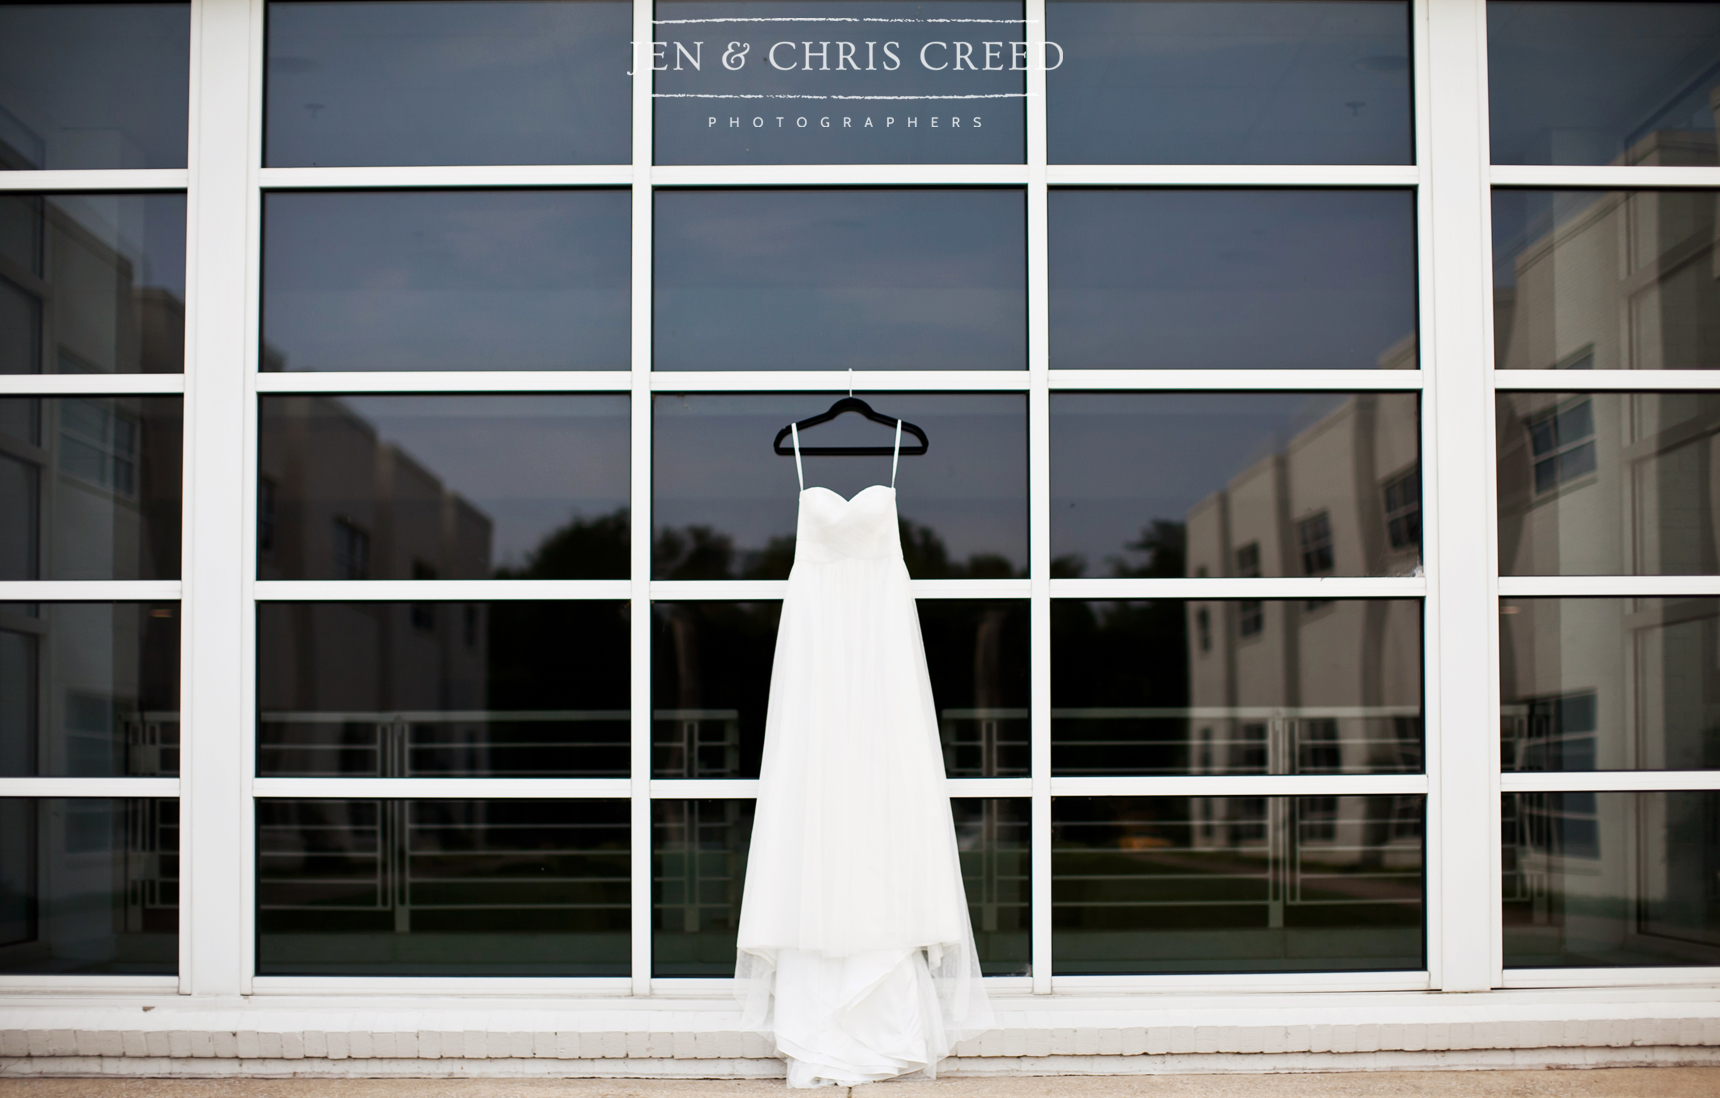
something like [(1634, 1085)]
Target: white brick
[(338, 1043), (1158, 1040), (429, 1044), (683, 1046), (372, 1046), (246, 1044), (1181, 1038), (292, 1046), (224, 1044), (316, 1044), (1108, 1042), (617, 1045), (1131, 1042), (758, 1046), (1074, 1042), (269, 1047), (474, 1045)]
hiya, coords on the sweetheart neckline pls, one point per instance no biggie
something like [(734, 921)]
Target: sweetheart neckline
[(840, 496)]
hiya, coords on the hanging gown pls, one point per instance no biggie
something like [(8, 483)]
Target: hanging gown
[(855, 948)]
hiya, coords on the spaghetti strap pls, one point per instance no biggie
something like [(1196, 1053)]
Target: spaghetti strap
[(896, 454), (799, 473)]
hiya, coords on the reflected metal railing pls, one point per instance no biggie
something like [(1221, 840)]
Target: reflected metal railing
[(1244, 739)]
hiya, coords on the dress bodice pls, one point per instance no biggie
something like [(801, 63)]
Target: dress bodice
[(862, 528)]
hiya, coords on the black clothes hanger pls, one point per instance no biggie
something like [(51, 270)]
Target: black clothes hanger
[(851, 404)]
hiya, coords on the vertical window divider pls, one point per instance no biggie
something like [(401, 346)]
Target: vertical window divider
[(639, 470), (1039, 504)]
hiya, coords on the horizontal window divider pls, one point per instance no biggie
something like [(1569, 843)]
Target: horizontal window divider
[(704, 789), (1243, 587), (89, 787), (1246, 380), (1607, 781), (1577, 381), (839, 175), (578, 986), (443, 788), (476, 175), (1614, 586), (1686, 975), (722, 987), (1240, 785), (93, 983), (1603, 176), (838, 381), (99, 179), (451, 381), (90, 384), (766, 590), (89, 590), (1233, 175), (450, 590), (1243, 982)]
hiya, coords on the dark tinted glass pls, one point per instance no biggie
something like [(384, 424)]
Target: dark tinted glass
[(1605, 280), (446, 280), (1606, 483), (711, 664), (865, 96), (90, 487), (1602, 83), (442, 689), (1609, 684), (1597, 879), (89, 885), (442, 888), (1244, 686), (1255, 82), (995, 839), (1236, 884), (92, 284), (698, 865), (1232, 279), (89, 689), (94, 85), (443, 487), (724, 505), (836, 279), (1235, 484), (518, 82)]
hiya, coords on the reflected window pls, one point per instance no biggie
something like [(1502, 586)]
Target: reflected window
[(1134, 692), (1562, 445), (1235, 884), (450, 487), (1403, 510), (724, 505), (1611, 879), (94, 85), (448, 82), (1169, 484), (1285, 82), (698, 867), (446, 280), (1248, 279), (840, 278), (994, 839), (362, 689), (442, 888), (89, 885), (1602, 83)]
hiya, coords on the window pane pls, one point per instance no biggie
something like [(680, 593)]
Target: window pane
[(994, 839), (1236, 884), (446, 280), (698, 865), (1232, 279), (724, 505), (89, 689), (92, 283), (1606, 483), (865, 97), (835, 279), (1602, 83), (1598, 879), (442, 689), (711, 665), (90, 488), (1241, 686), (523, 82), (1609, 684), (89, 885), (1229, 83), (1167, 484), (94, 85), (1605, 280), (443, 487), (442, 888)]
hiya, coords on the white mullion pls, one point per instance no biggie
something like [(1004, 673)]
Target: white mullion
[(1566, 381), (774, 590), (1608, 781), (1245, 380), (82, 985), (1232, 175), (841, 175), (90, 590), (522, 175), (838, 381), (1015, 175), (1039, 507), (639, 617), (50, 385), (1241, 587), (426, 989), (89, 787), (1573, 587), (1241, 785), (100, 179), (1609, 177), (1675, 975), (438, 590), (444, 788), (450, 381), (1239, 983)]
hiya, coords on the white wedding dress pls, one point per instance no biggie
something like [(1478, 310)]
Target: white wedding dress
[(855, 949)]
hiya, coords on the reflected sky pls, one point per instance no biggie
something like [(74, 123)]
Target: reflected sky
[(1232, 279), (1230, 83), (879, 279), (1602, 83), (448, 82), (446, 280)]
